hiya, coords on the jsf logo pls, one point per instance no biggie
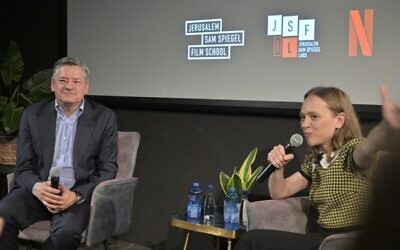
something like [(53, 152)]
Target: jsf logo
[(361, 33), (292, 38)]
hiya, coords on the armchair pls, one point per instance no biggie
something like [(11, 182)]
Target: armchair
[(292, 215), (111, 204)]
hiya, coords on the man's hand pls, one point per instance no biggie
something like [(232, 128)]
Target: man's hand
[(49, 196), (68, 198), (55, 200)]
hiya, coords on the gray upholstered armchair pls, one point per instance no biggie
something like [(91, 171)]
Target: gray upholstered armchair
[(291, 215), (111, 203)]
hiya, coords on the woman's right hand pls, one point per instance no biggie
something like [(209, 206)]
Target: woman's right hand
[(278, 157)]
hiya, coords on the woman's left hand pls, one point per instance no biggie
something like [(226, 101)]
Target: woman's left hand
[(390, 110)]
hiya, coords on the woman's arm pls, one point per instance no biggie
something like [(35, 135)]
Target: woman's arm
[(380, 137), (279, 187)]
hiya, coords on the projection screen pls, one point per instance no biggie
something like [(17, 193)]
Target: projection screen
[(253, 50)]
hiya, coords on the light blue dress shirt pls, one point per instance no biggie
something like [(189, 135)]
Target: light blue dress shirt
[(64, 145)]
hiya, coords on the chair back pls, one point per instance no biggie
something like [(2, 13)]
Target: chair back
[(128, 143), (112, 200)]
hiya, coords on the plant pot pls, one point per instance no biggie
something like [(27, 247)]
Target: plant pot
[(8, 150)]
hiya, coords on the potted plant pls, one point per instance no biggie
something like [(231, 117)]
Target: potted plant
[(242, 179), (15, 95)]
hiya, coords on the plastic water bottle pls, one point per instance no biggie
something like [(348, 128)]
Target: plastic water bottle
[(209, 208), (194, 205), (243, 211), (231, 210)]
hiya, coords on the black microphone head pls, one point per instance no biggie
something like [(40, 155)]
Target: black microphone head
[(55, 177), (55, 172), (296, 140)]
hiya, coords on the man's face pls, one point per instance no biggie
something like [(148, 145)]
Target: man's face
[(69, 85)]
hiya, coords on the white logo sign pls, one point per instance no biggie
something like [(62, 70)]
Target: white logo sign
[(215, 43)]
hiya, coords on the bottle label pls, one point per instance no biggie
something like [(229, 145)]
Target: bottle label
[(231, 215), (234, 216), (193, 211)]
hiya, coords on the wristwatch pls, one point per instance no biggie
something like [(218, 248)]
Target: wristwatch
[(79, 199)]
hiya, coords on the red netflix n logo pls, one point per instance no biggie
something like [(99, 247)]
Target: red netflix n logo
[(361, 33)]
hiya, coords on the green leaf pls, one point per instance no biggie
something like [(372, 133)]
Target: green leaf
[(39, 82), (11, 117), (235, 181), (3, 102), (25, 98), (12, 65), (223, 181), (245, 169), (253, 178)]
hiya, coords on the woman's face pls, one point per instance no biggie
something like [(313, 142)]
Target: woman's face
[(319, 123)]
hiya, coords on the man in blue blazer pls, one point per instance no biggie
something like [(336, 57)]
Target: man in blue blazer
[(72, 134)]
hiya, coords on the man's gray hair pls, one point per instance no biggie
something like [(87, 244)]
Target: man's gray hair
[(72, 61)]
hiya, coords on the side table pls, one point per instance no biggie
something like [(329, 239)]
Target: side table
[(218, 230)]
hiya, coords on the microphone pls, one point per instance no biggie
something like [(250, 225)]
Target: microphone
[(295, 141), (55, 177)]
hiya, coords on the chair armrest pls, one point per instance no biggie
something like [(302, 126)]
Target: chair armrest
[(111, 208), (286, 214), (344, 241), (10, 181)]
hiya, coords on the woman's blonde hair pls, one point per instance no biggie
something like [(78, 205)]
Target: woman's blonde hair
[(338, 101)]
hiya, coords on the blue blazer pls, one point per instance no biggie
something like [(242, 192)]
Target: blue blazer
[(95, 146)]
